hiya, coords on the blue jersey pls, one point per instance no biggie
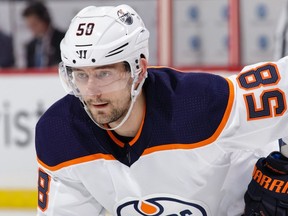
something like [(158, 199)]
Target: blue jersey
[(193, 154)]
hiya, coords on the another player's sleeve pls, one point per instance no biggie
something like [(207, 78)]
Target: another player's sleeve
[(259, 111), (64, 198)]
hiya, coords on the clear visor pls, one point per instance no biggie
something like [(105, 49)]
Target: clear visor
[(97, 80)]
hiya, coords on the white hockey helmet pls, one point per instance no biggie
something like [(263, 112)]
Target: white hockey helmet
[(100, 36)]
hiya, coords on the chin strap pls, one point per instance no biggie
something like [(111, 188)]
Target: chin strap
[(134, 93)]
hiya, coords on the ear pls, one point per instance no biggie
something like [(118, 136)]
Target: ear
[(143, 66)]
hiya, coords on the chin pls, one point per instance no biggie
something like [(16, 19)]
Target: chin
[(100, 119)]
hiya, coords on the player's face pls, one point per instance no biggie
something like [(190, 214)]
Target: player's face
[(106, 91)]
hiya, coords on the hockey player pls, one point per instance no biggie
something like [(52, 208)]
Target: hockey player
[(132, 140)]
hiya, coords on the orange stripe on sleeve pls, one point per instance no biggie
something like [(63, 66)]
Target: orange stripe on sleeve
[(77, 161)]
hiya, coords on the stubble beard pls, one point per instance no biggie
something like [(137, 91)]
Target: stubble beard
[(114, 114)]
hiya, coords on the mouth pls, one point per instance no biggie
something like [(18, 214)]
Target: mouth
[(99, 105)]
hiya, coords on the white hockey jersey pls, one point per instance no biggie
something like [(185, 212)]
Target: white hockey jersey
[(193, 154)]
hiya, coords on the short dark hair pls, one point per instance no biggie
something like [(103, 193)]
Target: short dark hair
[(38, 9)]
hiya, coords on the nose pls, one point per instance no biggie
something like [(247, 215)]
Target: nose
[(92, 88)]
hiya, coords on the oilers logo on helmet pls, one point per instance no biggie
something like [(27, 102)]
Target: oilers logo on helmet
[(168, 205), (125, 17)]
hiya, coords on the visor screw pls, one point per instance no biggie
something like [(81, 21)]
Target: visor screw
[(74, 61), (93, 60)]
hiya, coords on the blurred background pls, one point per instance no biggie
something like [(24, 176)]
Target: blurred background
[(217, 36)]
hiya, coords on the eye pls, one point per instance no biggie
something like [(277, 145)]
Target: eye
[(104, 74), (81, 76)]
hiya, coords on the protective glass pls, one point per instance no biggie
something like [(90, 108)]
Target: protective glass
[(98, 80)]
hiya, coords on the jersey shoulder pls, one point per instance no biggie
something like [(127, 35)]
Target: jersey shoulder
[(197, 102)]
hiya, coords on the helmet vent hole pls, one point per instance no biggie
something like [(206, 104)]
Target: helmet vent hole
[(93, 60), (74, 61)]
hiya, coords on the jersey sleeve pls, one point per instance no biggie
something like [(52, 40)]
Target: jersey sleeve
[(259, 111), (57, 196)]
